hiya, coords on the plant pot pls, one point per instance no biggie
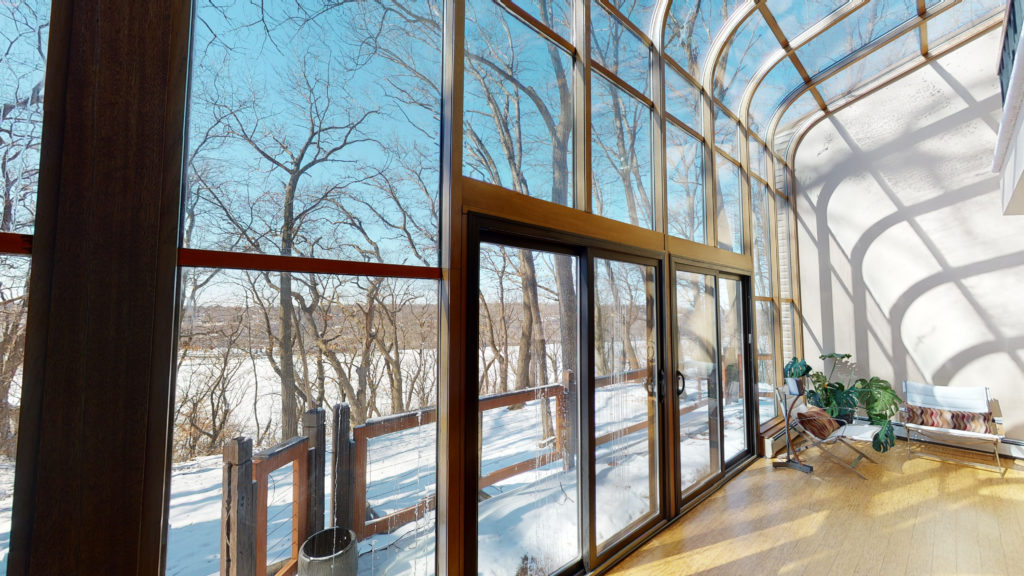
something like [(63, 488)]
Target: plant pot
[(795, 386), (846, 416), (330, 552)]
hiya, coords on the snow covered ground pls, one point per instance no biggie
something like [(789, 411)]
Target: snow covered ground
[(533, 514)]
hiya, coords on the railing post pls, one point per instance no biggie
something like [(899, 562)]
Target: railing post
[(567, 419), (314, 423), (341, 469), (359, 461), (238, 517)]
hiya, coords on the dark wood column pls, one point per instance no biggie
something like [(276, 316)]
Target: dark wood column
[(93, 450)]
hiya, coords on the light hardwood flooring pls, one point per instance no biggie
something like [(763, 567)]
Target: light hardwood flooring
[(910, 517)]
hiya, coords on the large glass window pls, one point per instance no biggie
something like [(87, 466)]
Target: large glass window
[(315, 134), (684, 158), (618, 49), (625, 403), (528, 349), (729, 199), (621, 148), (24, 34), (518, 106)]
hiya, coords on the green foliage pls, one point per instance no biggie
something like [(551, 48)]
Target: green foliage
[(874, 395), (796, 368), (833, 397)]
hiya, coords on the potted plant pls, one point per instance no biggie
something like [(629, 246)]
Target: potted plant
[(841, 399), (794, 372), (881, 403)]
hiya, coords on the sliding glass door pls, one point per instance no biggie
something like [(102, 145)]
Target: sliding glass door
[(696, 377), (711, 375), (625, 397)]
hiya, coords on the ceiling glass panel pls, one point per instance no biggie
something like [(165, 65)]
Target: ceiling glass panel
[(793, 116), (556, 14), (782, 79), (961, 17), (853, 32), (895, 52), (796, 16), (682, 99), (618, 49), (639, 12), (691, 26), (749, 49)]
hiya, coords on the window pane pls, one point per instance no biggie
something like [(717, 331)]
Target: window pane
[(556, 14), (761, 198), (255, 351), (684, 157), (639, 12), (794, 17), (767, 409), (750, 47), (730, 329), (696, 377), (896, 52), (24, 29), (788, 331), (528, 516), (682, 99), (303, 142), (725, 133), (690, 28), (853, 32), (625, 407), (517, 129), (619, 50), (782, 217), (961, 17), (782, 79), (729, 206), (14, 276), (621, 148)]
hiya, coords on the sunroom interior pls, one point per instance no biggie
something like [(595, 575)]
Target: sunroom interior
[(499, 286)]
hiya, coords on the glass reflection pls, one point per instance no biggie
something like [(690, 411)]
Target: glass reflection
[(696, 378), (751, 45), (896, 52), (728, 195), (618, 49), (682, 99), (766, 406), (796, 16), (690, 28), (517, 126), (621, 155), (528, 515), (851, 33), (961, 17), (731, 359), (625, 406), (684, 158)]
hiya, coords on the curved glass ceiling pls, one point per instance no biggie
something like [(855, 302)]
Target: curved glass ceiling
[(783, 60)]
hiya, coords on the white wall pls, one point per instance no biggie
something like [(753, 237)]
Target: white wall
[(906, 260)]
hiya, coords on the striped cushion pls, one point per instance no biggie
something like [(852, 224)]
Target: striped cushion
[(817, 422), (953, 419)]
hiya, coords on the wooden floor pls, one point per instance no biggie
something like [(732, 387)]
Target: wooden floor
[(917, 516)]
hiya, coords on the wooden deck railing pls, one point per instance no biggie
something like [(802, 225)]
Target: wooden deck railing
[(245, 495), (364, 526)]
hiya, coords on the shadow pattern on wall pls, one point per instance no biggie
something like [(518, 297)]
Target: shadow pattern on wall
[(905, 258)]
